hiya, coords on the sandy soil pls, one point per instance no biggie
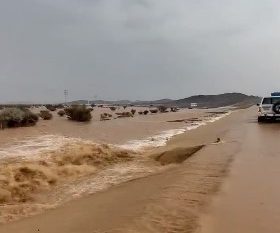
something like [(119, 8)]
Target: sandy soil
[(169, 201)]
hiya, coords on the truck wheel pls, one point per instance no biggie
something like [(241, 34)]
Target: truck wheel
[(276, 108), (261, 119)]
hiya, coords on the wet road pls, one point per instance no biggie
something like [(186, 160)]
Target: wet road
[(249, 201)]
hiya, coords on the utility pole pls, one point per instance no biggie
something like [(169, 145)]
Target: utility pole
[(65, 96)]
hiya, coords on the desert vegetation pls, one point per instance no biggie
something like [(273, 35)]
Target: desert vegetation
[(113, 108), (61, 113), (17, 117), (162, 109), (50, 107), (124, 114), (78, 113), (105, 116), (45, 115), (133, 111), (146, 112), (154, 111), (174, 109)]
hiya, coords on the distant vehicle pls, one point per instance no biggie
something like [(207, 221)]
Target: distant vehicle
[(269, 108), (194, 105)]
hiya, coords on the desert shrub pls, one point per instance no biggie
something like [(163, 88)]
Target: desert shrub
[(61, 113), (124, 114), (133, 111), (45, 115), (93, 105), (140, 113), (17, 117), (154, 111), (174, 109), (90, 109), (78, 113), (58, 106), (162, 109), (50, 107), (29, 118), (146, 112), (100, 105), (113, 108), (124, 107), (105, 116)]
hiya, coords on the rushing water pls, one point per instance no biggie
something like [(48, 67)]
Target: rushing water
[(47, 146)]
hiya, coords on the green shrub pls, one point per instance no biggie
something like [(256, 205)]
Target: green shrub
[(78, 113), (17, 117), (61, 113), (46, 115)]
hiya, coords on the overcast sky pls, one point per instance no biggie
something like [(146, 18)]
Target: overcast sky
[(137, 49)]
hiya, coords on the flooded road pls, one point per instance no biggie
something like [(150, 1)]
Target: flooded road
[(250, 198)]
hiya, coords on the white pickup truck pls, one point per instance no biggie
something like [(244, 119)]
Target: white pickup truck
[(269, 108)]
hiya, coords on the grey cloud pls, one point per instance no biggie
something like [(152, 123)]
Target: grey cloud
[(137, 49)]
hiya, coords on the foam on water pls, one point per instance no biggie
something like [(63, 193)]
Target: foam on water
[(161, 139), (34, 147)]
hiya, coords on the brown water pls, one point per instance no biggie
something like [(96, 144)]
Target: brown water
[(59, 160)]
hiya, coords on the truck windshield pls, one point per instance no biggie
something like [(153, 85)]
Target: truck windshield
[(271, 100)]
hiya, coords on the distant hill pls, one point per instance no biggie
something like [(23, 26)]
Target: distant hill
[(220, 100), (210, 101)]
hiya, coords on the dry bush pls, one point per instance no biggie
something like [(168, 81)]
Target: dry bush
[(78, 113), (140, 113), (174, 109), (105, 117), (124, 114), (50, 107), (61, 113), (162, 109), (113, 108), (146, 112), (45, 115), (154, 110), (133, 111), (17, 117)]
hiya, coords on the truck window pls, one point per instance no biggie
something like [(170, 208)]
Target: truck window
[(275, 100), (266, 101)]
